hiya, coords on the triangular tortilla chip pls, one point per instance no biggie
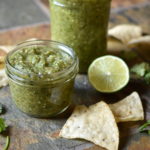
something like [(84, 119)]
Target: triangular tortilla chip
[(128, 109), (142, 45), (125, 32), (3, 78), (96, 124), (2, 56), (115, 45), (6, 48)]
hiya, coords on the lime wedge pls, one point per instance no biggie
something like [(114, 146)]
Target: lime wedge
[(108, 74)]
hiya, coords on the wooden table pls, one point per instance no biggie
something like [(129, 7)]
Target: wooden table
[(28, 133)]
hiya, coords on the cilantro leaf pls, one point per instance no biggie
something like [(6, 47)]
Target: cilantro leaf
[(144, 127), (7, 143), (147, 78), (142, 71), (2, 125)]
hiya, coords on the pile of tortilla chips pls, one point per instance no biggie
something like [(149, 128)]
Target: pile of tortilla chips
[(128, 41), (98, 123)]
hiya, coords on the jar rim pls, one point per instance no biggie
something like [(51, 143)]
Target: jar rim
[(71, 3), (64, 4), (57, 76)]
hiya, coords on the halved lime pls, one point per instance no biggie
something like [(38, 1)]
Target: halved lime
[(108, 74)]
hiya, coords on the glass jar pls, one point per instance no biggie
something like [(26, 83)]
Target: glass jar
[(81, 24), (49, 95)]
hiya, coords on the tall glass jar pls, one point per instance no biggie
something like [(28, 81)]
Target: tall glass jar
[(42, 95), (81, 24)]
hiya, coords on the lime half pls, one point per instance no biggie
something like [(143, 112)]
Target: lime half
[(108, 74)]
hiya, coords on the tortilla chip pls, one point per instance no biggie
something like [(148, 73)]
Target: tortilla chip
[(2, 56), (95, 123), (3, 78), (128, 109), (115, 45), (6, 48), (2, 66), (142, 45), (3, 53), (125, 32)]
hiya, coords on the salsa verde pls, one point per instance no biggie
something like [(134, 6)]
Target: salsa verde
[(81, 24), (41, 78)]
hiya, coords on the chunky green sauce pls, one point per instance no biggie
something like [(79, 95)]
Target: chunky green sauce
[(38, 99), (81, 24), (41, 101), (40, 60)]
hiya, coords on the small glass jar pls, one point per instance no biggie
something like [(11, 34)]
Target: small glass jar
[(81, 24), (50, 95)]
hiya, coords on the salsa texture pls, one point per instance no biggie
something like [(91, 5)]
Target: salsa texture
[(41, 101), (82, 25), (40, 60), (36, 98)]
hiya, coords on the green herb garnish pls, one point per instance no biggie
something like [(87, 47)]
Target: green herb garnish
[(144, 127), (142, 70), (7, 143), (2, 125), (147, 78)]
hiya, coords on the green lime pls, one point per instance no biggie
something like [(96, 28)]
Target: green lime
[(108, 74)]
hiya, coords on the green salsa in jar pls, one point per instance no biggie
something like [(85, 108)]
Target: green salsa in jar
[(81, 24), (41, 76)]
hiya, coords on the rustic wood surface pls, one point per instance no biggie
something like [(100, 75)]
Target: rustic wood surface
[(28, 133), (42, 134)]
